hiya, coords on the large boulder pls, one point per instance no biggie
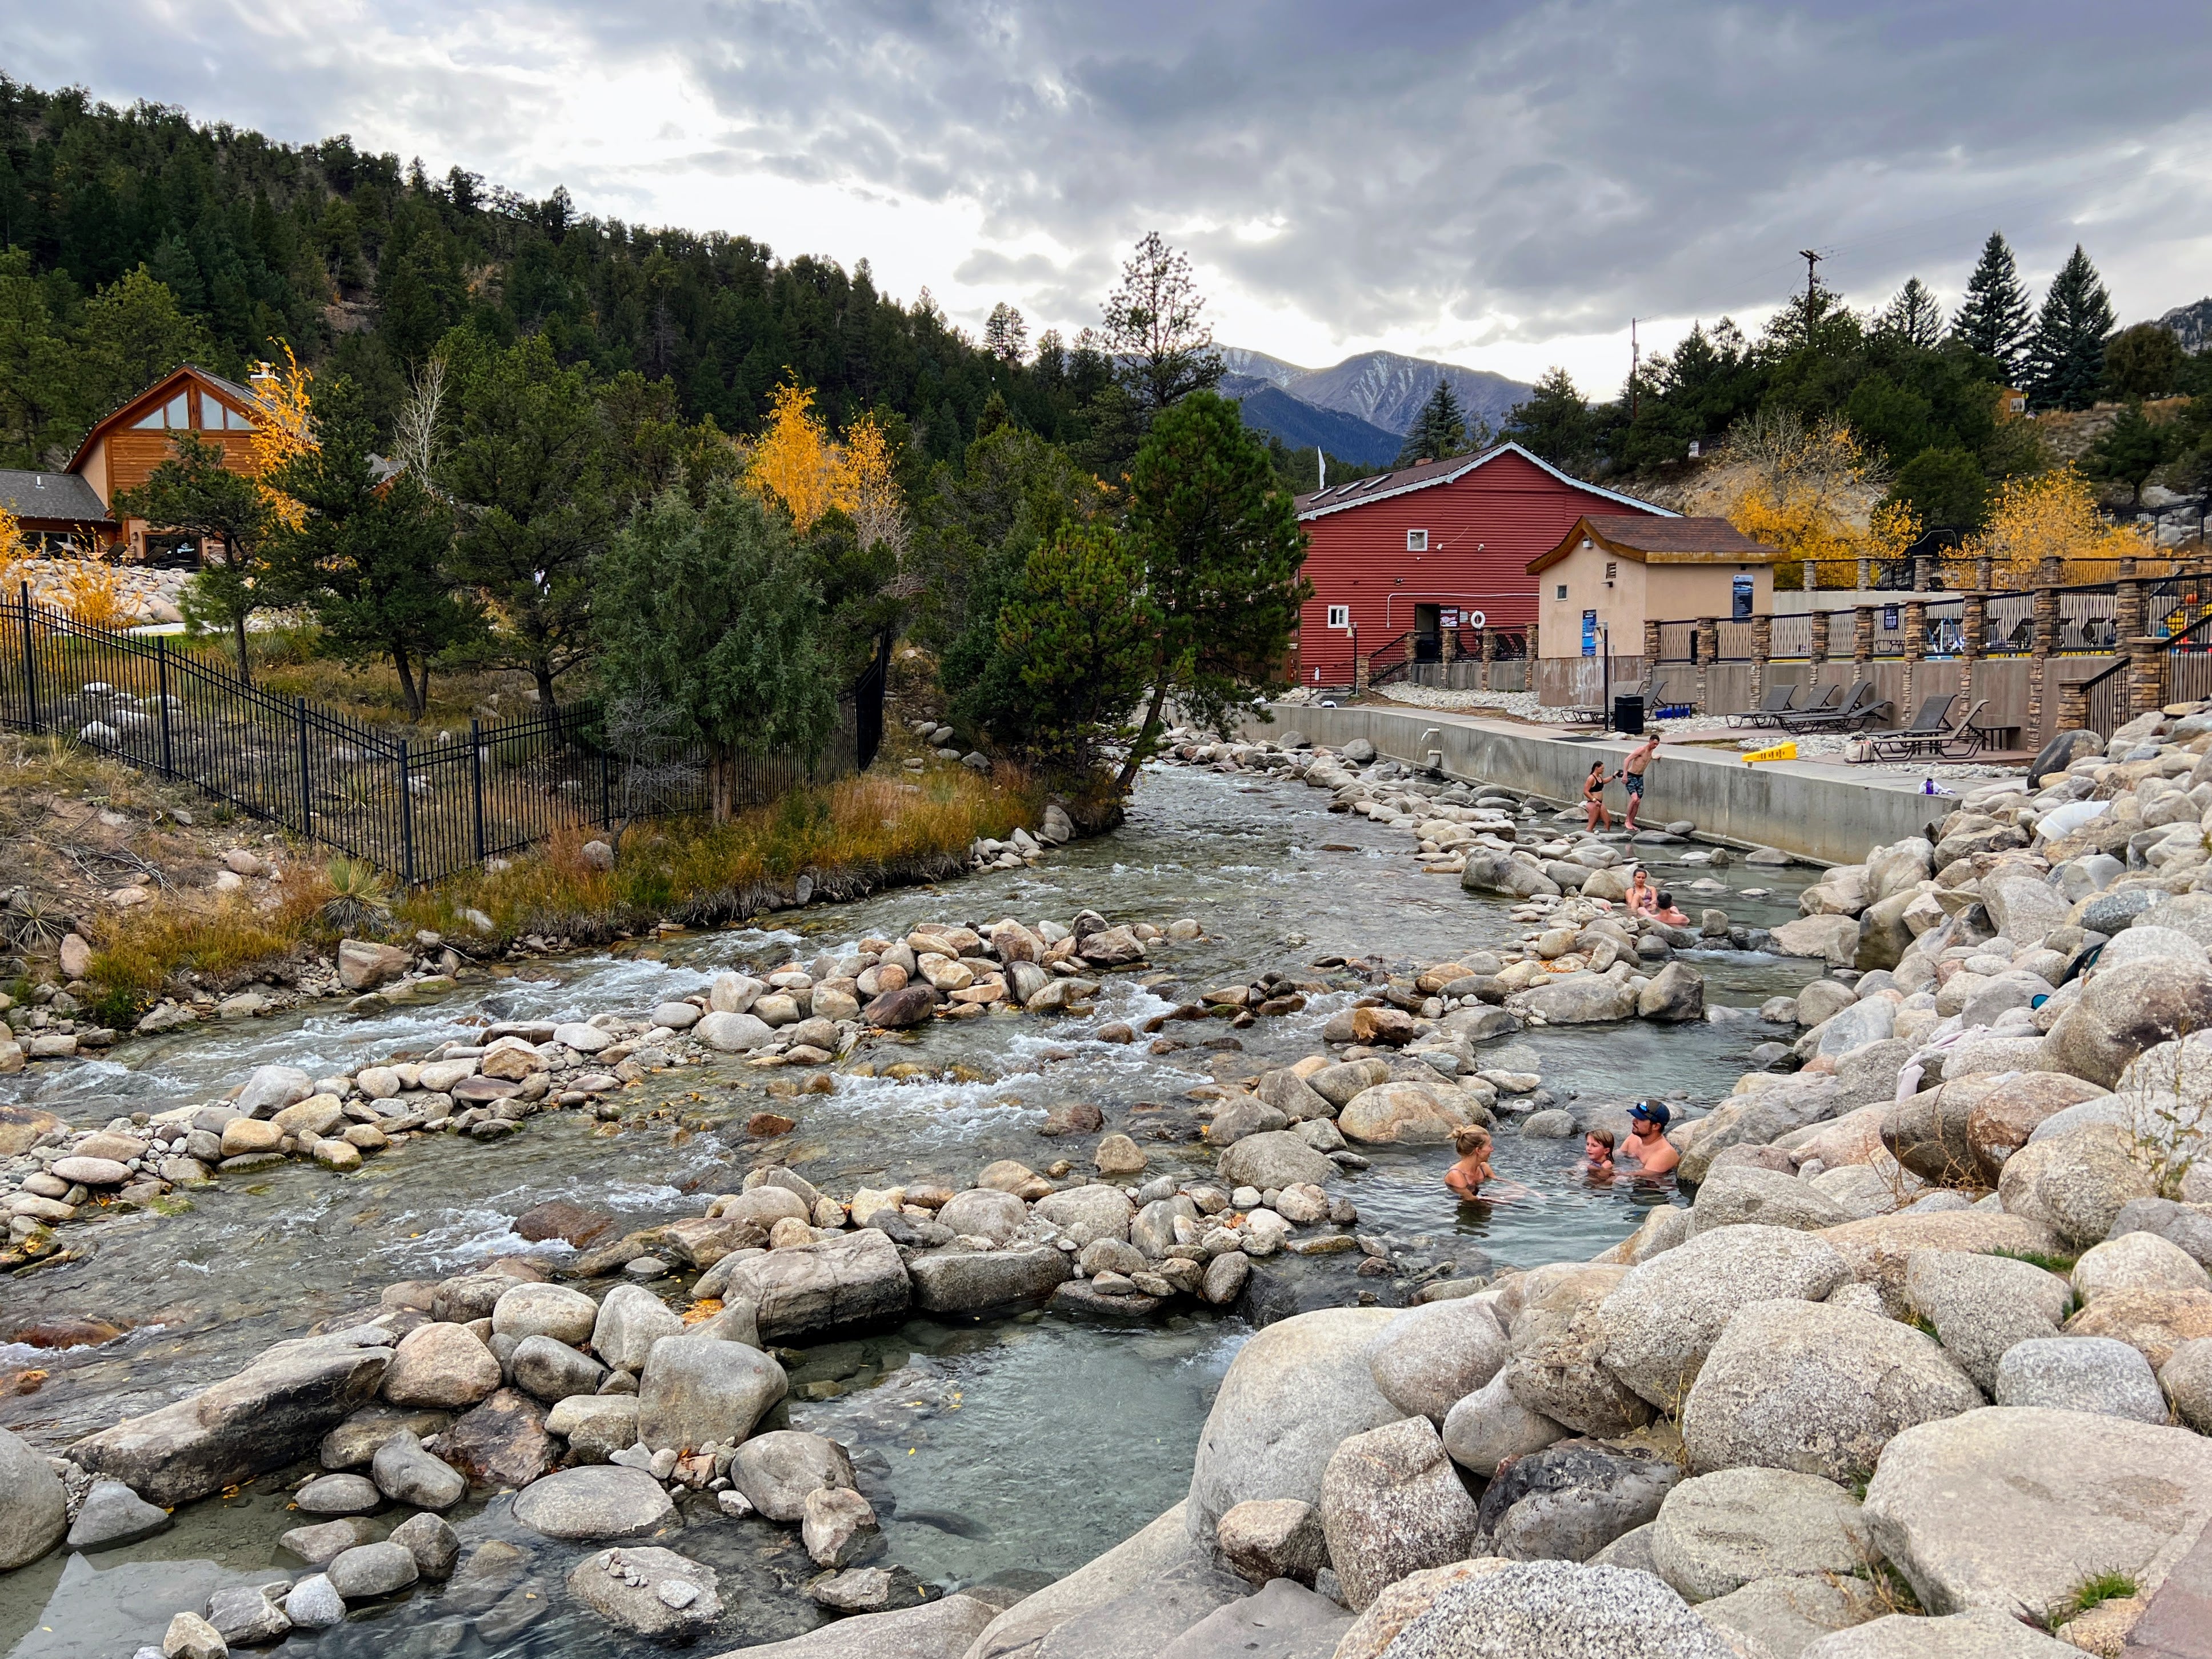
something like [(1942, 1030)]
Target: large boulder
[(503, 1443), (777, 1470), (1833, 939), (2075, 1183), (629, 1321), (985, 1212), (440, 1364), (857, 1278), (1665, 1316), (604, 1501), (1676, 994), (1559, 1349), (1737, 1193), (2014, 1509), (1490, 1426), (1273, 1538), (559, 1311), (1570, 1500), (1579, 999), (1977, 1635), (1163, 1550), (2003, 1112), (1293, 1393), (648, 1591), (1281, 1620), (1557, 1609), (1429, 1358), (2024, 907), (273, 1412), (1392, 1503), (1500, 873), (2135, 1260), (1981, 1305), (730, 1032), (1274, 1160), (2154, 1322), (942, 1628), (956, 1280), (695, 1391), (1088, 1213), (33, 1504), (1389, 1113), (1788, 1615), (2124, 1010), (1817, 1388), (1719, 1532), (1878, 1249), (2080, 1374)]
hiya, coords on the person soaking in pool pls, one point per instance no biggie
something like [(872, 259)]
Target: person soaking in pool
[(1466, 1177), (1597, 1157), (1648, 1147)]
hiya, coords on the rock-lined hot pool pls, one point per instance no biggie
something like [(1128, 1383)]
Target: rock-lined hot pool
[(999, 1452)]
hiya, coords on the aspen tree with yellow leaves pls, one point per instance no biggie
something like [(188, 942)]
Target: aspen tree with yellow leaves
[(2053, 515)]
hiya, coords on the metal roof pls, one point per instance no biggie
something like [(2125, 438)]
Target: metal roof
[(1319, 503)]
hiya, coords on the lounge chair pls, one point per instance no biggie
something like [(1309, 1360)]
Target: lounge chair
[(1861, 706), (1926, 734), (1824, 707), (1657, 706), (1770, 708)]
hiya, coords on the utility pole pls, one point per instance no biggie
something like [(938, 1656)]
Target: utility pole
[(1635, 359), (1812, 256)]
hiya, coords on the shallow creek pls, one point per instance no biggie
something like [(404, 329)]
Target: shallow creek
[(1007, 1452)]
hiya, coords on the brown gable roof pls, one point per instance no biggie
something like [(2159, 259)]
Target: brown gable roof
[(1317, 503), (1649, 540), (242, 397), (51, 498)]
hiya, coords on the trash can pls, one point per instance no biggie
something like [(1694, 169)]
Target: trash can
[(1628, 715)]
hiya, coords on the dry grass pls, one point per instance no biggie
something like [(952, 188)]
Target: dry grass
[(864, 833), (137, 952), (288, 662)]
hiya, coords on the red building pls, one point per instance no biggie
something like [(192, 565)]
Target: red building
[(1425, 550)]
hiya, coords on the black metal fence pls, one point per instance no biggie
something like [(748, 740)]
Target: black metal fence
[(420, 809)]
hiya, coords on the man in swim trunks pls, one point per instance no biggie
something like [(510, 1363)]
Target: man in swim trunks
[(1647, 1138), (1632, 776)]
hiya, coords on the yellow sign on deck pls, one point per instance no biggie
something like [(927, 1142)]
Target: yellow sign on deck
[(1779, 752)]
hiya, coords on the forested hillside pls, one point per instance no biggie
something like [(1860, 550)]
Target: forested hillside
[(136, 238)]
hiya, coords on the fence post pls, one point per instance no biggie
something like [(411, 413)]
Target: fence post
[(161, 672), (1762, 653), (306, 780), (475, 785), (30, 665), (606, 791), (406, 820)]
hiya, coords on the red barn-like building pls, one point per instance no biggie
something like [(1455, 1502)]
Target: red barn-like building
[(1423, 549)]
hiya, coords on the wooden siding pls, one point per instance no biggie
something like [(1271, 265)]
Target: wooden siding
[(1483, 531)]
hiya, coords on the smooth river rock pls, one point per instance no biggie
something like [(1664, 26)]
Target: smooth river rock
[(605, 1500)]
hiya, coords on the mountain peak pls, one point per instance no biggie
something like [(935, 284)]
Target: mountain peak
[(1385, 389)]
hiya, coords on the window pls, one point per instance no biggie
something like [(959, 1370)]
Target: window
[(1417, 540), (171, 415), (1560, 592), (1339, 616), (1612, 569), (221, 417)]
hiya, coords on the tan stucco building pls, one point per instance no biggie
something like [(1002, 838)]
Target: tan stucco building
[(1613, 572)]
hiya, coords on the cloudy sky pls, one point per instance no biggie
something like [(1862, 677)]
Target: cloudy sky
[(1504, 184)]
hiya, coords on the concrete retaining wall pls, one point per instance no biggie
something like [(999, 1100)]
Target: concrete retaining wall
[(1803, 809)]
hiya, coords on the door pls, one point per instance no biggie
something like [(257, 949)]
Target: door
[(1428, 633)]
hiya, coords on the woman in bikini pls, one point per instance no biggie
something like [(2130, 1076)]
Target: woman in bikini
[(1593, 798)]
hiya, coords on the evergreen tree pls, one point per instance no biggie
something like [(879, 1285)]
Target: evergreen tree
[(1153, 327), (2066, 358), (1222, 549), (2133, 448), (1554, 421), (1993, 319), (1078, 638), (706, 612), (2145, 361), (1439, 431), (369, 555), (195, 493), (1913, 316)]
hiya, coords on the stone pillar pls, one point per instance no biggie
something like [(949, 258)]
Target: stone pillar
[(1650, 644), (2073, 707), (2128, 619), (1985, 572), (2044, 642), (1489, 655), (1865, 574), (2146, 673), (1812, 576), (1762, 653), (1916, 652), (1359, 674), (1862, 637), (1706, 648), (1817, 649), (1448, 644), (1920, 562), (1974, 625)]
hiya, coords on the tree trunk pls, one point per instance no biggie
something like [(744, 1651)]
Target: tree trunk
[(244, 663), (1144, 737), (719, 767), (408, 694), (541, 671)]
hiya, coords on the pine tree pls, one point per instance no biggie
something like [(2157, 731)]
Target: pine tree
[(1913, 316), (2066, 358), (1993, 320), (1439, 431)]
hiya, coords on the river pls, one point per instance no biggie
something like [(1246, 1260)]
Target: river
[(1003, 1453)]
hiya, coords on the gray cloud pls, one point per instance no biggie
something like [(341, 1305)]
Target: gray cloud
[(1510, 171)]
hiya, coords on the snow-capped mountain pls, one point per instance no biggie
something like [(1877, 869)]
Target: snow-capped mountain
[(2191, 326), (1382, 388)]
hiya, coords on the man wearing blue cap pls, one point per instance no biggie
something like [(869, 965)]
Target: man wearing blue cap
[(1647, 1138)]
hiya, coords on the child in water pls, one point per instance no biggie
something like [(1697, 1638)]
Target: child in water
[(1466, 1177), (1597, 1156)]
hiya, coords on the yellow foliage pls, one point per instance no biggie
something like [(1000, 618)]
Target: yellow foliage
[(797, 464), (2053, 515), (1799, 490), (283, 428), (91, 593), (15, 548)]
